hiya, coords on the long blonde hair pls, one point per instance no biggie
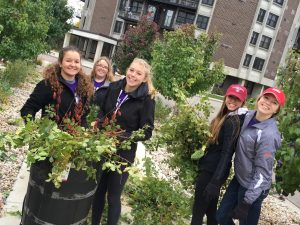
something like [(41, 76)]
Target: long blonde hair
[(148, 73), (109, 75)]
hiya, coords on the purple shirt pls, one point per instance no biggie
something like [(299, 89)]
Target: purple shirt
[(98, 85), (72, 85)]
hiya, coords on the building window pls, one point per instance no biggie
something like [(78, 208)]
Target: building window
[(265, 42), (254, 38), (118, 27), (185, 17), (136, 7), (279, 2), (261, 15), (122, 5), (202, 22), (272, 20), (208, 2), (247, 60), (258, 64)]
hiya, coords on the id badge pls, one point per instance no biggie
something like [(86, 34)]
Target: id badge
[(65, 174)]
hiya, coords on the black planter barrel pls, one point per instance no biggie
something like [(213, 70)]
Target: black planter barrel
[(46, 205)]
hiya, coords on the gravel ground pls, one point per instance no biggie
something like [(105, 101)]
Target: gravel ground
[(9, 118), (275, 211)]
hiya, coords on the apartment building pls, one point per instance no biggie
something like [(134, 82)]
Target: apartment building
[(256, 34)]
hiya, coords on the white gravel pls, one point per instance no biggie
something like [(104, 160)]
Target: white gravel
[(9, 120)]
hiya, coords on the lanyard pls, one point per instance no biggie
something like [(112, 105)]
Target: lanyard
[(123, 96)]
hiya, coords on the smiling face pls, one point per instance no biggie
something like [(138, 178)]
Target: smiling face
[(233, 103), (70, 65), (101, 70), (267, 106), (135, 76)]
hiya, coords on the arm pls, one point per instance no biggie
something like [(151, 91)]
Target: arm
[(230, 134), (263, 165), (262, 177), (230, 131), (147, 118), (38, 99)]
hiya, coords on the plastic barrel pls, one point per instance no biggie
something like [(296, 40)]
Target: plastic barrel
[(46, 205)]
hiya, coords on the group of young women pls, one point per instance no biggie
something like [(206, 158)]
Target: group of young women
[(252, 135)]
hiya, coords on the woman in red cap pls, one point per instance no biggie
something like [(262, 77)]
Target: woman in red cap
[(253, 162), (214, 166)]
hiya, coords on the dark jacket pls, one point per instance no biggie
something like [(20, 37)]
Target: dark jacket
[(136, 112), (100, 94), (217, 157), (43, 96)]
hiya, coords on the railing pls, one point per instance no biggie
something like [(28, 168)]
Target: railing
[(130, 15), (186, 3)]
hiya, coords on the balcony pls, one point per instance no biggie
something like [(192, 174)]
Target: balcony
[(189, 4), (127, 15)]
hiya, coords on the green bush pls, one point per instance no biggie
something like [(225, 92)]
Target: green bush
[(155, 201), (5, 91), (184, 134), (13, 75), (16, 72), (161, 111)]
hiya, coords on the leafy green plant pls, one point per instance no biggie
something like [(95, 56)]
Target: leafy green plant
[(72, 144), (5, 91), (155, 201), (162, 112), (17, 71), (288, 156), (25, 27), (184, 135), (182, 61)]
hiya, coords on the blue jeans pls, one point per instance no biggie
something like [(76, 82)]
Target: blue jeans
[(234, 194)]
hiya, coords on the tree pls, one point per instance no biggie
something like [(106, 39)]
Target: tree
[(137, 43), (182, 61), (59, 15), (288, 156), (25, 28)]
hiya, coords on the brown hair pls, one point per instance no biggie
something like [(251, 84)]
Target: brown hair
[(109, 75), (52, 73), (217, 122), (148, 73)]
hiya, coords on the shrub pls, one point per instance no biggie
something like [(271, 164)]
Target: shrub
[(155, 201), (16, 72), (184, 134)]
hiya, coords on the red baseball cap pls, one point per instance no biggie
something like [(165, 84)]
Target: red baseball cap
[(278, 94), (238, 91)]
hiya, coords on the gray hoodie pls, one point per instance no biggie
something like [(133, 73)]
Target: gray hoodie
[(255, 154)]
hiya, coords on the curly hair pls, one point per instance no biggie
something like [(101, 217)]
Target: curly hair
[(52, 73)]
